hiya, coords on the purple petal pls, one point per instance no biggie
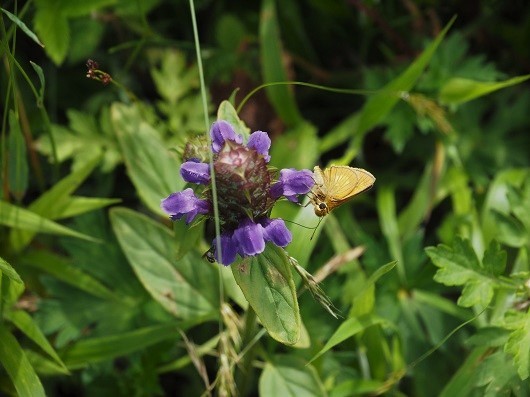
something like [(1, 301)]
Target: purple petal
[(261, 143), (275, 230), (221, 132), (176, 205), (195, 172), (249, 237), (228, 249), (292, 183), (276, 190)]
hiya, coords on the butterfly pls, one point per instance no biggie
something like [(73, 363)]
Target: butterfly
[(336, 185)]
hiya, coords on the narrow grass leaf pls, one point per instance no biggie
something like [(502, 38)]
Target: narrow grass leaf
[(18, 171), (20, 218), (347, 329), (22, 27), (42, 81), (18, 367), (273, 69), (104, 348), (459, 90), (9, 271), (25, 323), (267, 283)]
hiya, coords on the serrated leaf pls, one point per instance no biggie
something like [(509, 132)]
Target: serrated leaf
[(8, 271), (22, 27), (185, 288), (518, 346), (459, 265), (289, 377), (347, 329), (459, 90), (151, 167), (267, 283), (17, 366)]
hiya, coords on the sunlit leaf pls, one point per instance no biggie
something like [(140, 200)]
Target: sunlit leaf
[(267, 283)]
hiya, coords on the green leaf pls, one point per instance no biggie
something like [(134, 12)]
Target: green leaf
[(20, 218), (288, 377), (25, 323), (298, 148), (186, 288), (151, 167), (104, 348), (17, 366), (52, 26), (7, 269), (379, 105), (267, 283), (463, 381), (69, 272), (18, 162), (23, 27), (518, 346), (459, 265), (227, 112), (459, 90), (347, 329), (281, 97), (510, 230), (42, 80), (386, 208)]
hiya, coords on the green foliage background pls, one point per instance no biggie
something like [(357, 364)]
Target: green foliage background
[(100, 294)]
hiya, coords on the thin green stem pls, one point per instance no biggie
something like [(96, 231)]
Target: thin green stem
[(302, 83)]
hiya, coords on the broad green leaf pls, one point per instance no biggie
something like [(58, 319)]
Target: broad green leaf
[(17, 366), (186, 288), (290, 377), (104, 348), (297, 148), (17, 159), (463, 381), (459, 90), (358, 387), (518, 346), (281, 97), (186, 237), (67, 271), (52, 26), (227, 112), (26, 324), (499, 377), (151, 167), (22, 27), (267, 283), (54, 203), (347, 329), (302, 245), (379, 105), (7, 269), (20, 218), (459, 265)]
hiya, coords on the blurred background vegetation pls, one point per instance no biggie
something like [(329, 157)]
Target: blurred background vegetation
[(101, 295)]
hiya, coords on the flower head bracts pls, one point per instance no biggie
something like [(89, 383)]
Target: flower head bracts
[(247, 189)]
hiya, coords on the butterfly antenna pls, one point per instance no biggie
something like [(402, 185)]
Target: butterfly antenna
[(299, 224)]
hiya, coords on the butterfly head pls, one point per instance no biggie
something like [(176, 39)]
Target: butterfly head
[(321, 209)]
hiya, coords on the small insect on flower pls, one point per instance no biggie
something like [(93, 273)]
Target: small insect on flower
[(336, 185)]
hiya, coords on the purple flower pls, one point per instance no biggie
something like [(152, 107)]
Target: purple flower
[(292, 183), (261, 143), (221, 132), (249, 236), (176, 205), (195, 172), (228, 249), (274, 230)]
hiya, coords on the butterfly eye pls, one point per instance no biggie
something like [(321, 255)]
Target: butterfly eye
[(322, 206)]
